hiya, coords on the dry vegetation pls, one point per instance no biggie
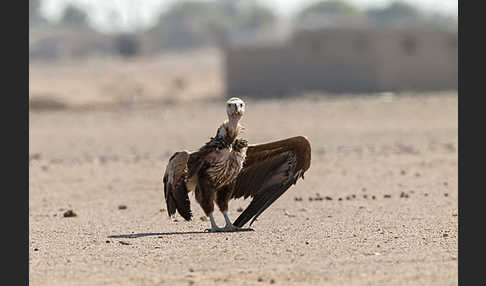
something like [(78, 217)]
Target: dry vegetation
[(384, 166)]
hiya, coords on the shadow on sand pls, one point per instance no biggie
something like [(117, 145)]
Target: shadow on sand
[(160, 234)]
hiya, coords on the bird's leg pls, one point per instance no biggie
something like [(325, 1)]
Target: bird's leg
[(214, 226), (229, 225)]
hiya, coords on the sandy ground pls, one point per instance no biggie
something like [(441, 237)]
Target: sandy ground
[(364, 149)]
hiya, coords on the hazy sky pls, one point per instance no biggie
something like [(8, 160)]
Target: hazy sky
[(142, 13)]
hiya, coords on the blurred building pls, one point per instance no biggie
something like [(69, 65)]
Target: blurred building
[(351, 59)]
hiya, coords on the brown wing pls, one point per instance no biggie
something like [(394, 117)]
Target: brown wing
[(175, 189), (180, 178), (269, 170)]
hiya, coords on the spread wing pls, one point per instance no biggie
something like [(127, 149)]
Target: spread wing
[(269, 170), (175, 188)]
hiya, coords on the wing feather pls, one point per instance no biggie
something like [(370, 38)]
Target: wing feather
[(175, 189), (269, 170)]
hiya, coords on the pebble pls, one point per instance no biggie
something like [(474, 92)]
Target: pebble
[(69, 213), (122, 207), (446, 194), (387, 196), (329, 198), (260, 279), (373, 197), (239, 209)]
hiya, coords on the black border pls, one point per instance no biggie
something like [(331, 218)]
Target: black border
[(15, 142)]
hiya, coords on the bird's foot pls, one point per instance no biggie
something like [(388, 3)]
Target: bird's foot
[(214, 229), (228, 228)]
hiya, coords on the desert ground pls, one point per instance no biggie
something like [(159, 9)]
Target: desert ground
[(378, 205)]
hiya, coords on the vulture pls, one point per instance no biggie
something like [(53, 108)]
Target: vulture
[(227, 167)]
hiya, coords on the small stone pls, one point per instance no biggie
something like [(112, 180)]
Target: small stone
[(35, 156), (354, 196), (311, 199), (445, 235), (107, 241), (373, 197), (445, 183), (387, 196), (402, 172), (340, 199), (329, 198), (260, 279), (36, 249), (426, 194), (239, 209), (272, 281), (446, 194), (191, 270), (365, 196), (69, 213), (122, 207), (307, 242)]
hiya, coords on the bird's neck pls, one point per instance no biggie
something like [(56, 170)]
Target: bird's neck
[(233, 126)]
